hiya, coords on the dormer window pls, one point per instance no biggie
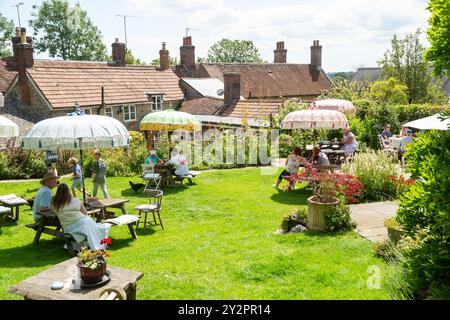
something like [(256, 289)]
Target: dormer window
[(156, 100)]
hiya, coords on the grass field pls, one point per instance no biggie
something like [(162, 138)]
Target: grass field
[(218, 243)]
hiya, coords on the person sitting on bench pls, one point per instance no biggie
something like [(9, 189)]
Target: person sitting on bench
[(43, 198), (181, 165), (75, 221)]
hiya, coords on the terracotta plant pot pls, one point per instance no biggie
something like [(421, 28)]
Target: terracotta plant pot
[(90, 276), (316, 212)]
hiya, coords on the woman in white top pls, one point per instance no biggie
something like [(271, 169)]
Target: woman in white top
[(350, 143), (293, 162), (74, 219)]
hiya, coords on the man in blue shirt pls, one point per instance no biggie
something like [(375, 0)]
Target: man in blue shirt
[(386, 134), (43, 199)]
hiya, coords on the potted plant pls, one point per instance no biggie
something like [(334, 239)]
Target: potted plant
[(395, 230), (92, 263)]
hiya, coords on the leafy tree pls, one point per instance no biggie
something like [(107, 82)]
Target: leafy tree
[(66, 32), (405, 62), (439, 36), (131, 59), (173, 61), (344, 89), (6, 33), (389, 91), (227, 50)]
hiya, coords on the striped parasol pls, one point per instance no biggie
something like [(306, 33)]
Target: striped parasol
[(169, 120), (314, 119), (340, 105)]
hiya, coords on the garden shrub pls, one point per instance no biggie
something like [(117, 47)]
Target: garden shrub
[(338, 218), (424, 214), (293, 219), (16, 163), (373, 168)]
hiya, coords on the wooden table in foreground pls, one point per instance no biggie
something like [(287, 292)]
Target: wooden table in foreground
[(103, 204), (38, 287)]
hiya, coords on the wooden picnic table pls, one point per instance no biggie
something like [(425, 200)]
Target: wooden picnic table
[(13, 202), (38, 287), (165, 170), (104, 204)]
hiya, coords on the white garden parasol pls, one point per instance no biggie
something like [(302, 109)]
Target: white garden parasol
[(77, 131), (340, 105), (8, 128), (429, 123), (314, 119)]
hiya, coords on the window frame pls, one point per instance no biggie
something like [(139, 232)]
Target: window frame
[(109, 114), (156, 100), (129, 113)]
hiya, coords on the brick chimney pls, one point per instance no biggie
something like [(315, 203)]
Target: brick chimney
[(187, 55), (164, 62), (23, 59), (280, 53), (17, 39), (118, 53), (232, 87), (316, 55)]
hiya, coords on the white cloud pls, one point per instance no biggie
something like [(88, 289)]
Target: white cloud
[(353, 32)]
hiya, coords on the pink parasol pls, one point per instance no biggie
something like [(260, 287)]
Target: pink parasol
[(314, 119), (343, 106)]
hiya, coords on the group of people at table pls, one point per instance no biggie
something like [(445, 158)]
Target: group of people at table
[(70, 211), (296, 158)]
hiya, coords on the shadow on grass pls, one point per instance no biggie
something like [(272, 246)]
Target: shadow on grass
[(48, 252), (7, 221), (166, 191), (291, 197)]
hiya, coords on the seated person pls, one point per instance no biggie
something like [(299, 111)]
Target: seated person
[(43, 199), (386, 134), (153, 158), (350, 143), (74, 219), (293, 162), (319, 157), (181, 164)]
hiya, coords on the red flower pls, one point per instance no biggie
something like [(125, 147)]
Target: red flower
[(106, 241)]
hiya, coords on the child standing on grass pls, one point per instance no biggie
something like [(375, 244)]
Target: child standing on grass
[(99, 174), (77, 178)]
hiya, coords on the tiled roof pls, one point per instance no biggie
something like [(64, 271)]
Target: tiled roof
[(251, 108), (65, 82), (271, 80), (6, 76)]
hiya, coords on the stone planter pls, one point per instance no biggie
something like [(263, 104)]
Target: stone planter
[(395, 233), (316, 213), (90, 276)]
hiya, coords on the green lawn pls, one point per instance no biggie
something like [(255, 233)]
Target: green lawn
[(218, 243)]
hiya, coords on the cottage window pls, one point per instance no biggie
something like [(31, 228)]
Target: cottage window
[(129, 113), (87, 111), (156, 102), (109, 112)]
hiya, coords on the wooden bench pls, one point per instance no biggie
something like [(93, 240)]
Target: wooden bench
[(12, 201), (51, 220)]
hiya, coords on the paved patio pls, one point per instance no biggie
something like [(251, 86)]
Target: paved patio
[(369, 218)]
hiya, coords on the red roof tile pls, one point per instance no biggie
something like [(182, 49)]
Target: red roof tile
[(65, 82), (271, 80), (6, 76)]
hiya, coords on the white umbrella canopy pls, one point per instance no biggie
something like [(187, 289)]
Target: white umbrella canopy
[(340, 105), (8, 128), (314, 119), (429, 123), (76, 132)]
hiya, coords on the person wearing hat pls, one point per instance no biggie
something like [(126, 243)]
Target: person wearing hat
[(43, 198), (386, 134)]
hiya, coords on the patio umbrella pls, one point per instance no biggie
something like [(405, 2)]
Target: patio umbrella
[(169, 120), (77, 131), (8, 128), (314, 119), (429, 123), (340, 105)]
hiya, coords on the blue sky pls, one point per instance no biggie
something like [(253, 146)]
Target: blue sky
[(353, 33)]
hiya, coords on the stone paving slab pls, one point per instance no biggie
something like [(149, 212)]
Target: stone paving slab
[(369, 218)]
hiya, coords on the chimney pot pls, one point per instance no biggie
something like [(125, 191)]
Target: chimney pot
[(17, 32), (187, 56), (316, 55), (280, 53), (118, 53), (164, 61)]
